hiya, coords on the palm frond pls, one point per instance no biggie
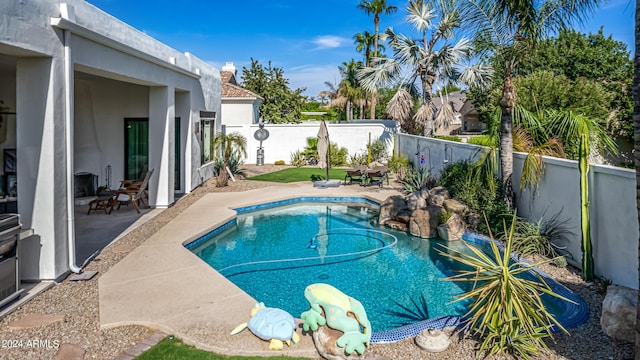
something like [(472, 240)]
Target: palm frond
[(400, 107)]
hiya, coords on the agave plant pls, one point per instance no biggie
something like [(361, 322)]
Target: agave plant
[(507, 309)]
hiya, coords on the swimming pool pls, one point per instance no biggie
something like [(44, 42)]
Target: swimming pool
[(274, 251)]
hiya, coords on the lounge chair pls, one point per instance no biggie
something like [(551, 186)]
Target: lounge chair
[(133, 194), (356, 174), (376, 176), (136, 182)]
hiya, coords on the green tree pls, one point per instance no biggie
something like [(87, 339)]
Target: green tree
[(429, 59), (227, 145), (376, 7), (592, 58), (281, 104), (349, 92), (509, 30)]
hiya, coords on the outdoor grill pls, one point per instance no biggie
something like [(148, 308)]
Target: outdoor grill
[(9, 234)]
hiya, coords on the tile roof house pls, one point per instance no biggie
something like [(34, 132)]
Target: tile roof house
[(467, 119), (239, 105)]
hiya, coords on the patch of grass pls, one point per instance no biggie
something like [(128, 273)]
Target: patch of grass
[(300, 174), (171, 348)]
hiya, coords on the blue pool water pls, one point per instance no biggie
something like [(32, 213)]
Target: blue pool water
[(275, 253)]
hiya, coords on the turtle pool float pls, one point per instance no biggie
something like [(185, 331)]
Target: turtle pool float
[(271, 324)]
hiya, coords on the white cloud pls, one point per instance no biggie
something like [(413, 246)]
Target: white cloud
[(312, 77), (329, 42)]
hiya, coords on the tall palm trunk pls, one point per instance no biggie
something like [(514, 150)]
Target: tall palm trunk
[(372, 110), (636, 147), (507, 104), (428, 77)]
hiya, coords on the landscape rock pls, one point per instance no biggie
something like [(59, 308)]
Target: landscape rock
[(619, 313), (455, 206), (325, 341), (415, 201), (424, 222), (397, 225), (437, 196), (404, 216), (390, 208), (452, 229)]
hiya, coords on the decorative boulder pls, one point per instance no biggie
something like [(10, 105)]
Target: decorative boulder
[(404, 216), (415, 201), (452, 229), (619, 313), (397, 225), (390, 208), (437, 196), (455, 206), (424, 222)]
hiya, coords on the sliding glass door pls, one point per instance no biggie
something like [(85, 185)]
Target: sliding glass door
[(136, 147)]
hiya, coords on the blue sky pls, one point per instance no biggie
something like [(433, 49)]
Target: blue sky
[(308, 39)]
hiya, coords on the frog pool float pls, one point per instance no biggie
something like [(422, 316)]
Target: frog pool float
[(271, 324), (326, 299)]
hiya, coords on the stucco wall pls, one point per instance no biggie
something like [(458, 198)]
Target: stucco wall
[(238, 112), (285, 139), (613, 212), (125, 66)]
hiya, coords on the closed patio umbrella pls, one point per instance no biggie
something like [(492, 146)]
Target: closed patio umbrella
[(323, 148)]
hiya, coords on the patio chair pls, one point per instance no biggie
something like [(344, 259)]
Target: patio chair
[(136, 182), (356, 174), (376, 176), (133, 194)]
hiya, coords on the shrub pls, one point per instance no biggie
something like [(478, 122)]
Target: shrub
[(507, 309), (235, 164), (415, 180), (279, 162), (337, 156), (484, 140), (448, 137), (298, 159), (357, 159), (397, 161), (378, 151), (538, 237), (482, 193)]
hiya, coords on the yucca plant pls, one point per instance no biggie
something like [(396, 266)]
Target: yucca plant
[(507, 310), (415, 180)]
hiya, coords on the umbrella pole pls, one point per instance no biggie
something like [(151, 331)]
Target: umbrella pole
[(327, 161)]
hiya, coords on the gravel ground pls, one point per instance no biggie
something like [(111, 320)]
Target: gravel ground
[(78, 302)]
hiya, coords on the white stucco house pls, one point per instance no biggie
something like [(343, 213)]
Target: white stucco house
[(239, 105), (81, 92)]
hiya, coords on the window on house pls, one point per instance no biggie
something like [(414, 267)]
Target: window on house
[(207, 127)]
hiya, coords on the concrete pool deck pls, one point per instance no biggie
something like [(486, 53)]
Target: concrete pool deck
[(164, 286)]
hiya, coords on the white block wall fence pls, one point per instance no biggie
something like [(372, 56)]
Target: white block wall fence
[(285, 139), (612, 196)]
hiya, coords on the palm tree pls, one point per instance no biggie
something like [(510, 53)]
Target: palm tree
[(508, 28), (376, 7), (349, 92), (429, 59), (227, 145)]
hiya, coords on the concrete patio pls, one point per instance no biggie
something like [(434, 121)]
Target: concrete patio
[(164, 286)]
